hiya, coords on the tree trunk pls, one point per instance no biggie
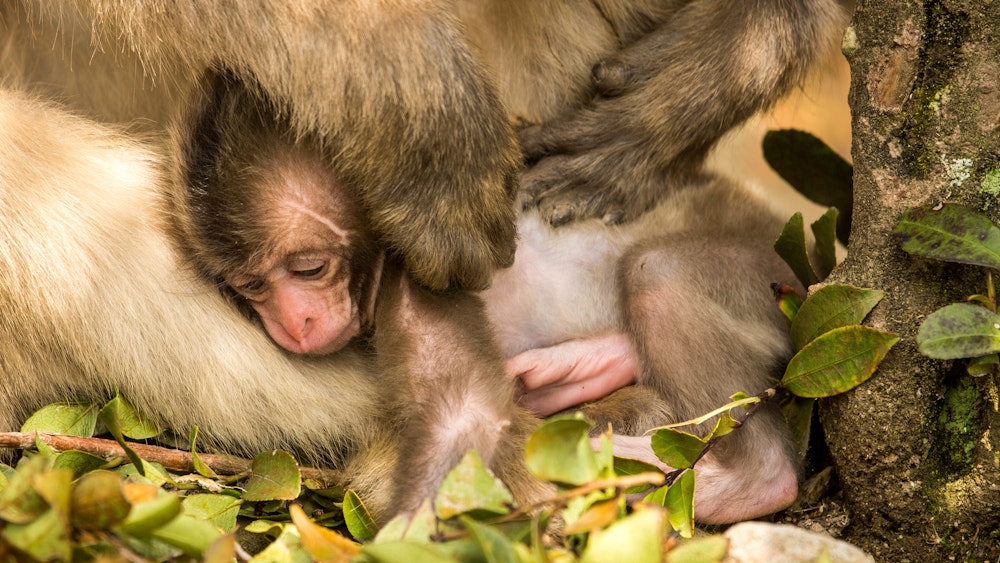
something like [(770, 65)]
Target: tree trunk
[(917, 447)]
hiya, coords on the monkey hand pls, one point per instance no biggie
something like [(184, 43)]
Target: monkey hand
[(664, 101), (572, 372)]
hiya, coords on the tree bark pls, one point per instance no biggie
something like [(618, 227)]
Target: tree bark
[(917, 447)]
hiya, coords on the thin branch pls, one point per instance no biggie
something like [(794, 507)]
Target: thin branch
[(171, 459)]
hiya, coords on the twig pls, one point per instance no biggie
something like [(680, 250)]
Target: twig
[(622, 483), (171, 459), (763, 397)]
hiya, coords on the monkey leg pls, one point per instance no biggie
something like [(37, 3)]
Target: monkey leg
[(438, 352), (705, 327)]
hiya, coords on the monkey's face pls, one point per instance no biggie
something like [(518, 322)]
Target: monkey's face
[(313, 278), (304, 302)]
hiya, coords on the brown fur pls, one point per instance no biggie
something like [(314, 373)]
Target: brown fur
[(388, 85), (435, 353), (692, 279), (417, 127), (111, 307), (669, 79)]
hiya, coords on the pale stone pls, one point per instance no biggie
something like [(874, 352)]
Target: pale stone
[(761, 542)]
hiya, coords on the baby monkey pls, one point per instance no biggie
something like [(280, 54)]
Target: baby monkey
[(262, 214), (676, 302)]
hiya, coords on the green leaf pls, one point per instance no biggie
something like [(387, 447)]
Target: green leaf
[(133, 424), (815, 170), (20, 503), (951, 233), (263, 526), (274, 475), (495, 546), (625, 466), (189, 534), (675, 448), (111, 416), (359, 521), (151, 514), (983, 365), (395, 552), (471, 487), (153, 472), (825, 232), (559, 450), (44, 538), (78, 462), (787, 298), (55, 486), (74, 419), (837, 361), (798, 414), (605, 456), (832, 306), (723, 425), (960, 330), (657, 497), (199, 466), (637, 538), (220, 510), (791, 246), (98, 501), (702, 550), (679, 502)]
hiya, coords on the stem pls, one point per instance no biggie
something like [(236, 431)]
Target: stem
[(757, 401), (171, 459)]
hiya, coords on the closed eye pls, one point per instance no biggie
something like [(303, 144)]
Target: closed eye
[(310, 273), (249, 288)]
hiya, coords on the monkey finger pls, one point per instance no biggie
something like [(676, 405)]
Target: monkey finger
[(612, 77), (606, 360), (553, 399), (574, 132), (629, 68)]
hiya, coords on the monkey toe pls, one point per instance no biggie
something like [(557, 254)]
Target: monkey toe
[(613, 217), (611, 78)]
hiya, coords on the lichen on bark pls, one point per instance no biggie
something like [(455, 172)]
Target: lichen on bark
[(915, 447)]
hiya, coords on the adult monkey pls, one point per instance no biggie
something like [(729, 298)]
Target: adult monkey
[(624, 98), (372, 115), (390, 84)]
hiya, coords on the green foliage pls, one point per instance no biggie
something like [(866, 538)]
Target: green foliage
[(73, 419), (791, 246), (815, 170), (274, 475), (831, 307), (560, 451), (960, 330), (359, 521), (953, 233), (837, 361), (52, 500), (834, 353)]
